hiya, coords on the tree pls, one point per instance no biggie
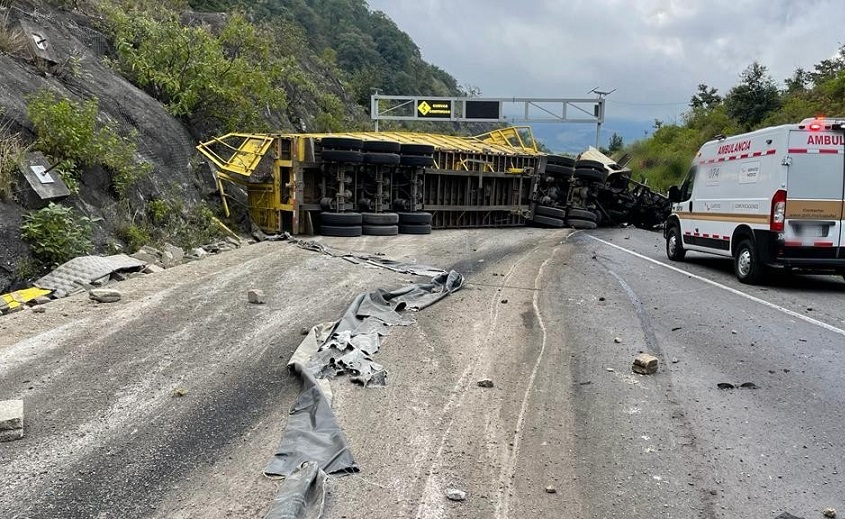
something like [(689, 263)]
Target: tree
[(798, 81), (616, 143), (707, 97), (754, 98)]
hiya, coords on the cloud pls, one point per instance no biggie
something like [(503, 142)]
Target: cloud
[(654, 52)]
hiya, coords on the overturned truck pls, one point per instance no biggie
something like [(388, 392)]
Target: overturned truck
[(410, 183)]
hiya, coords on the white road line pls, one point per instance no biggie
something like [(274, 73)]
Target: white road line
[(734, 291)]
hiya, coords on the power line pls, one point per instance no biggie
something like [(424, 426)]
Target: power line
[(614, 101)]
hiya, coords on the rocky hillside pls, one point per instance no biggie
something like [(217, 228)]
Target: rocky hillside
[(116, 94)]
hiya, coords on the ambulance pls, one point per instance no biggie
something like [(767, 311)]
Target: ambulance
[(769, 198)]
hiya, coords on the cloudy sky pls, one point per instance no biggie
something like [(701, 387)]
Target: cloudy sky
[(654, 52)]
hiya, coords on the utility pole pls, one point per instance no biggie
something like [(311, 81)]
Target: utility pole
[(600, 110)]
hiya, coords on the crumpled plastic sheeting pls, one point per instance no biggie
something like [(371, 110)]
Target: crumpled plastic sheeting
[(313, 443), (302, 495), (312, 434), (370, 259), (64, 280)]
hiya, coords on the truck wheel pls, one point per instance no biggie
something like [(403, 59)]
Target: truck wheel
[(675, 244), (548, 221), (381, 230), (346, 231), (554, 212), (414, 219), (379, 218), (747, 264), (340, 219), (415, 229), (581, 214), (577, 223)]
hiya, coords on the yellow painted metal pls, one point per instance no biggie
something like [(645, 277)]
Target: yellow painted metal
[(247, 151), (513, 137), (21, 297)]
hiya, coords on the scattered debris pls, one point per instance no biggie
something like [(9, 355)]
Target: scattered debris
[(744, 385), (550, 489), (675, 329), (454, 494), (41, 300), (617, 340), (485, 382), (105, 295), (38, 309), (11, 420), (304, 331), (601, 299), (829, 512), (255, 296), (152, 268), (71, 276), (734, 332), (645, 364), (504, 301), (587, 383), (787, 515), (675, 360), (179, 392), (610, 370)]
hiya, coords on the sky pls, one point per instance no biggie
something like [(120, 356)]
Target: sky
[(653, 52)]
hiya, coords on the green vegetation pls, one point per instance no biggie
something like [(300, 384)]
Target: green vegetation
[(69, 133), (56, 234), (755, 102), (170, 221), (12, 149), (367, 47)]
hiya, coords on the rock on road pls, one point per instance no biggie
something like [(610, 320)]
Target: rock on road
[(170, 402)]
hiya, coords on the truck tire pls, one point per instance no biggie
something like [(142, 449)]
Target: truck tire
[(347, 156), (558, 170), (418, 161), (381, 230), (747, 264), (415, 218), (548, 221), (675, 244), (554, 212), (341, 143), (347, 231), (561, 160), (381, 146), (417, 149), (415, 229), (582, 214), (590, 175), (379, 218), (381, 158), (340, 219), (577, 223)]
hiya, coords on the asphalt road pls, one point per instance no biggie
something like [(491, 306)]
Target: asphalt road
[(553, 318)]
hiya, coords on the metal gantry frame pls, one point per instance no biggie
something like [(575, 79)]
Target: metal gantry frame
[(486, 109)]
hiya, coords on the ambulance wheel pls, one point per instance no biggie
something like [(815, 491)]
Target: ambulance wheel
[(747, 265), (675, 245)]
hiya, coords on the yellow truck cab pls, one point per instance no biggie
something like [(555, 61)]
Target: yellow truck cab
[(769, 198)]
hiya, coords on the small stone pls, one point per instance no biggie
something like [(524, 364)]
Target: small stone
[(153, 269), (11, 435), (675, 360), (617, 340), (645, 364), (829, 512), (255, 296), (41, 300), (455, 494), (237, 243), (504, 301), (734, 332), (38, 309), (485, 382), (610, 370), (11, 415), (550, 489), (105, 295), (179, 392), (145, 257), (199, 252), (304, 331)]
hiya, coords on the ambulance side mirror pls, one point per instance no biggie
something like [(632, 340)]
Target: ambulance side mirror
[(675, 194)]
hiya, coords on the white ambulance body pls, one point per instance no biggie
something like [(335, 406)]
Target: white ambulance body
[(772, 197)]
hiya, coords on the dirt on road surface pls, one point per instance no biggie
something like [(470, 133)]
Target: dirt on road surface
[(170, 402)]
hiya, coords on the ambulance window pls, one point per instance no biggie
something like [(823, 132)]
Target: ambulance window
[(686, 188)]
